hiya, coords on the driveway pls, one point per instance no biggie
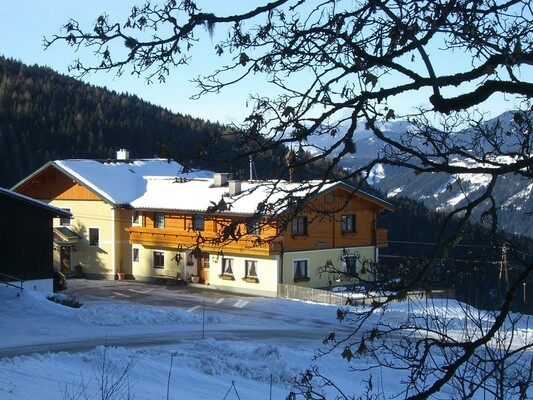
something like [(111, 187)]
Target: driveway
[(86, 290)]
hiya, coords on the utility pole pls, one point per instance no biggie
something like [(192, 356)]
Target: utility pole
[(504, 268)]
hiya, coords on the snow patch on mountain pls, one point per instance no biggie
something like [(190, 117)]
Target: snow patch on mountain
[(395, 192), (520, 197), (376, 174)]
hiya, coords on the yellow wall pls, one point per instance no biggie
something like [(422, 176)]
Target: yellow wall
[(123, 219), (143, 270), (113, 251), (267, 270), (267, 275), (318, 259)]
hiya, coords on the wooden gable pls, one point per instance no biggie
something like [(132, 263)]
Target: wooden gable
[(324, 214), (52, 183), (342, 199)]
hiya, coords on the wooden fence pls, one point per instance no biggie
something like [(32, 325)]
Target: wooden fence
[(347, 298)]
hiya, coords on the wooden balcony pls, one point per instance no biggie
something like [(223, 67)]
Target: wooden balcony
[(381, 237), (208, 241)]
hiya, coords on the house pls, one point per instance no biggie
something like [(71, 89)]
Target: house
[(26, 237), (250, 236), (149, 219), (98, 194)]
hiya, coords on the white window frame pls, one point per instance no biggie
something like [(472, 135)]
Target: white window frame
[(348, 222), (162, 254), (133, 251), (307, 274), (89, 236), (232, 266), (356, 264), (65, 221), (247, 267)]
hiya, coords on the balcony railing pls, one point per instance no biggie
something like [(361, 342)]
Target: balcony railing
[(12, 281), (207, 241)]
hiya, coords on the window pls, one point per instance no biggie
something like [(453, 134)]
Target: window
[(65, 221), (251, 268), (227, 266), (136, 218), (299, 226), (135, 255), (351, 265), (348, 223), (159, 220), (253, 227), (159, 259), (205, 260), (301, 270), (94, 236), (198, 222)]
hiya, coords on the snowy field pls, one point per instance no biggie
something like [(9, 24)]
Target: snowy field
[(186, 347)]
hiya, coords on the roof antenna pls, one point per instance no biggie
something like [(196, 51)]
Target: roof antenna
[(289, 161)]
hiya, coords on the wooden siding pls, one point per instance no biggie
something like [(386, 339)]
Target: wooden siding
[(26, 236), (53, 184), (324, 223)]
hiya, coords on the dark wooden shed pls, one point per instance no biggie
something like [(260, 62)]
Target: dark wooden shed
[(26, 236)]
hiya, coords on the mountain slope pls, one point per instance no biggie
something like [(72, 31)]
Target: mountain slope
[(440, 191)]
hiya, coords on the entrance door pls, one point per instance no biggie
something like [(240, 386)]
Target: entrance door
[(204, 268), (65, 259)]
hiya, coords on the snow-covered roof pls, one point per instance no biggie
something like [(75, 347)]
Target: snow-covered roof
[(121, 182), (272, 196), (201, 194)]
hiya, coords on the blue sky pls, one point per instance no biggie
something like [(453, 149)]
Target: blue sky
[(24, 23)]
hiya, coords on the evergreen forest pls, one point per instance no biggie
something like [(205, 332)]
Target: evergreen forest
[(48, 116)]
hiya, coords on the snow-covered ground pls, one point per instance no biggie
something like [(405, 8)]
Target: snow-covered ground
[(187, 346)]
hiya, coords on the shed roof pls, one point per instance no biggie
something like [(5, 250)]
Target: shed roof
[(56, 212)]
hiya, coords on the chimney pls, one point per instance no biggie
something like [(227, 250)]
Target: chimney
[(221, 178), (123, 155), (234, 187)]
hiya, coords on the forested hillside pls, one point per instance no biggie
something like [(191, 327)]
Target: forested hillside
[(46, 116)]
